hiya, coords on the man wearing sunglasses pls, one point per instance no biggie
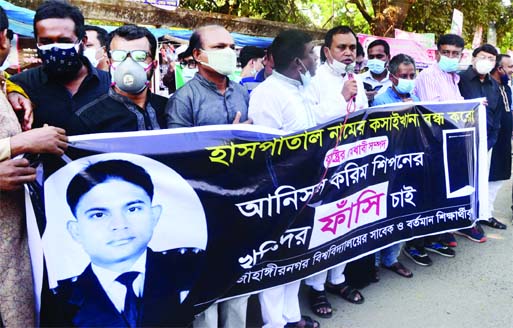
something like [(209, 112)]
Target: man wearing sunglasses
[(66, 81), (128, 105)]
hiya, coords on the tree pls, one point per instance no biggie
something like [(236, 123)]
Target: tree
[(288, 11)]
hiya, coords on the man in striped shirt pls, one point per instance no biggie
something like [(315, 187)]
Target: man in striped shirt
[(439, 82)]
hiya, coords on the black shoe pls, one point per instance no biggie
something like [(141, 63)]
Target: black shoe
[(494, 223), (418, 256), (440, 250)]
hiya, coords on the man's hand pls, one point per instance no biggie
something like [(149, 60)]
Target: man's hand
[(349, 90), (14, 173), (21, 104), (237, 119), (370, 95), (47, 139)]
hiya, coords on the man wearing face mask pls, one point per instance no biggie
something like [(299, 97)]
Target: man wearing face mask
[(96, 47), (129, 105), (439, 82), (281, 102), (476, 82), (500, 164), (376, 79), (252, 61), (210, 97), (402, 74), (66, 81), (335, 83)]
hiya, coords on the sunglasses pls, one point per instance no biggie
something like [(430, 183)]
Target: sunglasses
[(136, 55), (10, 34)]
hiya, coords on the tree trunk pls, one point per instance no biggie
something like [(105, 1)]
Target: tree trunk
[(389, 17)]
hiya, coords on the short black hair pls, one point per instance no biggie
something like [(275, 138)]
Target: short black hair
[(359, 49), (101, 32), (100, 172), (328, 38), (498, 61), (287, 46), (4, 22), (250, 52), (452, 40), (380, 42), (393, 65), (60, 9), (133, 32), (488, 48)]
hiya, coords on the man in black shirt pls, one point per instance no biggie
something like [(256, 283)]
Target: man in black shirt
[(129, 105), (57, 90)]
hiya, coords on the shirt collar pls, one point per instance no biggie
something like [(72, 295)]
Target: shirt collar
[(211, 85), (472, 74), (108, 277), (285, 79)]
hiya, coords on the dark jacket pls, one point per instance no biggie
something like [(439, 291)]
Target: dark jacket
[(471, 87), (113, 112), (500, 165), (82, 302)]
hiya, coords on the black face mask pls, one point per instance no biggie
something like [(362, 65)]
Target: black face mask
[(60, 64)]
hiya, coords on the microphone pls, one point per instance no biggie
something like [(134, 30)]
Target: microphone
[(350, 72)]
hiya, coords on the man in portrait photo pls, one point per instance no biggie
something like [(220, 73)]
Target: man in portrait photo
[(126, 284)]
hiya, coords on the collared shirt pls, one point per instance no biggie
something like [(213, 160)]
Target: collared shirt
[(281, 103), (54, 104), (385, 83), (113, 112), (199, 102), (471, 87), (325, 94), (390, 96), (433, 84), (251, 82), (114, 289)]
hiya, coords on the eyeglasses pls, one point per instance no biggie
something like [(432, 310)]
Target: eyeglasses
[(191, 63), (136, 55), (9, 34)]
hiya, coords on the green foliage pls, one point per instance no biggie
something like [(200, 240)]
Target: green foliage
[(373, 16)]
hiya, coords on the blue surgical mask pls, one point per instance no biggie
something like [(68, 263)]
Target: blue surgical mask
[(376, 66), (306, 77), (448, 65), (405, 86)]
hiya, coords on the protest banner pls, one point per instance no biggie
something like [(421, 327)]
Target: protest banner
[(221, 211)]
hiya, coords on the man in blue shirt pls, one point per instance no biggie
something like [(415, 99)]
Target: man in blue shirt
[(402, 74)]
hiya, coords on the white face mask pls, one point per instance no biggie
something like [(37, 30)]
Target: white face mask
[(484, 66), (188, 73), (338, 67), (305, 77), (222, 61), (90, 53)]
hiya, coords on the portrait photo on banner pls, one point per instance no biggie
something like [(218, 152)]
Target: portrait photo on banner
[(105, 208)]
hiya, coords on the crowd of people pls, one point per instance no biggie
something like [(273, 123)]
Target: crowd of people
[(92, 81)]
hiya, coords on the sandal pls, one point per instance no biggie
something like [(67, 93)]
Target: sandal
[(318, 301), (306, 322), (400, 269), (345, 291), (494, 223)]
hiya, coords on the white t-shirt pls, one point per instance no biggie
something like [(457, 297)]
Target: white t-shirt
[(280, 102)]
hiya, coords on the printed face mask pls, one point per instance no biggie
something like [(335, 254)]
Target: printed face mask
[(61, 61), (222, 61), (130, 76)]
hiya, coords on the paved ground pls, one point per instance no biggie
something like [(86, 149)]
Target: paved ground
[(474, 289)]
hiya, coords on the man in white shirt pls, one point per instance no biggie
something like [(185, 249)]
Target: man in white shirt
[(335, 91), (335, 86), (376, 79), (280, 102)]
